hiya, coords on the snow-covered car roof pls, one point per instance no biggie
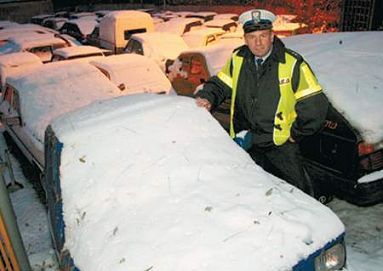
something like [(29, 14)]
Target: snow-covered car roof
[(178, 25), (78, 51), (14, 62), (63, 88), (85, 25), (22, 42), (349, 67), (232, 16), (171, 191), (219, 22), (25, 27), (202, 37), (134, 73), (161, 45)]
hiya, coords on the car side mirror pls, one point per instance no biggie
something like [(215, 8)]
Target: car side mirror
[(13, 121)]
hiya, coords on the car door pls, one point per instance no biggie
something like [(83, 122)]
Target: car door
[(12, 119)]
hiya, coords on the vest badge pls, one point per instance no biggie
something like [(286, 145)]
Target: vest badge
[(284, 81)]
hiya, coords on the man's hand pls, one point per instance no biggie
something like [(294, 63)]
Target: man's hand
[(201, 102), (291, 139)]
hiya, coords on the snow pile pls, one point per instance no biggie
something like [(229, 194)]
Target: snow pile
[(169, 190), (349, 67)]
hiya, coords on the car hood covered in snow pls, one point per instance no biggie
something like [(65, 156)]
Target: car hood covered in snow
[(167, 189)]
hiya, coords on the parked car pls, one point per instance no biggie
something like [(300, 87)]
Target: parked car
[(33, 98), (14, 62), (79, 28), (231, 16), (40, 45), (204, 15), (75, 52), (158, 46), (38, 19), (54, 23), (168, 189), (347, 155), (133, 73), (226, 25), (94, 37), (203, 37), (180, 26), (116, 28)]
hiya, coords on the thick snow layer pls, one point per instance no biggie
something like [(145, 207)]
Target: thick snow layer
[(169, 190), (73, 86), (349, 67)]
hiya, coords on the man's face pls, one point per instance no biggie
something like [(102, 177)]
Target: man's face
[(259, 42)]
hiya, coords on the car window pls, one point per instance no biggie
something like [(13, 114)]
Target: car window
[(16, 102), (8, 95), (43, 52), (129, 33), (134, 47), (57, 58), (193, 25)]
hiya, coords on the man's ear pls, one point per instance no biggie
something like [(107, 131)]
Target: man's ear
[(272, 35)]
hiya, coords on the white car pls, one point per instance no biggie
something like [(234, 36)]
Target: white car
[(180, 26), (159, 46), (75, 52), (14, 62), (41, 45), (133, 73), (203, 37), (32, 98), (152, 182)]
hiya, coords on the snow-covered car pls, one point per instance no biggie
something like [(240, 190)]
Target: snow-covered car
[(180, 26), (41, 45), (203, 37), (34, 97), (79, 28), (38, 19), (171, 191), (204, 15), (231, 16), (54, 23), (347, 154), (75, 52), (133, 73), (159, 46), (226, 25), (12, 63)]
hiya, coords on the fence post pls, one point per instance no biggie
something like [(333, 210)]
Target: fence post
[(12, 247)]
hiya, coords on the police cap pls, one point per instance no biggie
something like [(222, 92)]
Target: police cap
[(256, 19)]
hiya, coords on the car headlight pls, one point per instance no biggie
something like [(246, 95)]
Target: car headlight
[(331, 259)]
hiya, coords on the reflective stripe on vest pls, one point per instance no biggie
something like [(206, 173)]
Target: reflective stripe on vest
[(285, 114)]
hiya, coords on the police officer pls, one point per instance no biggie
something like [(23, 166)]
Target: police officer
[(274, 95)]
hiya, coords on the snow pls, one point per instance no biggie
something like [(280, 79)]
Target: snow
[(175, 192), (75, 51), (349, 67), (82, 81), (135, 73), (363, 224)]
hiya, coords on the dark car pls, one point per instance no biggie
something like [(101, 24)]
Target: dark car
[(346, 156)]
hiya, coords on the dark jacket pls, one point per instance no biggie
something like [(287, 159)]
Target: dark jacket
[(258, 95)]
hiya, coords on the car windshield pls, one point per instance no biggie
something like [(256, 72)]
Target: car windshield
[(9, 47)]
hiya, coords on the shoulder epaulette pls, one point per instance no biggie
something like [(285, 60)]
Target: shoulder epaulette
[(294, 54)]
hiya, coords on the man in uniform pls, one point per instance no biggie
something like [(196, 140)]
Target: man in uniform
[(274, 95)]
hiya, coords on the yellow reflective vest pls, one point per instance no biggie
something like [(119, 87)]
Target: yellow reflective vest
[(285, 113)]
